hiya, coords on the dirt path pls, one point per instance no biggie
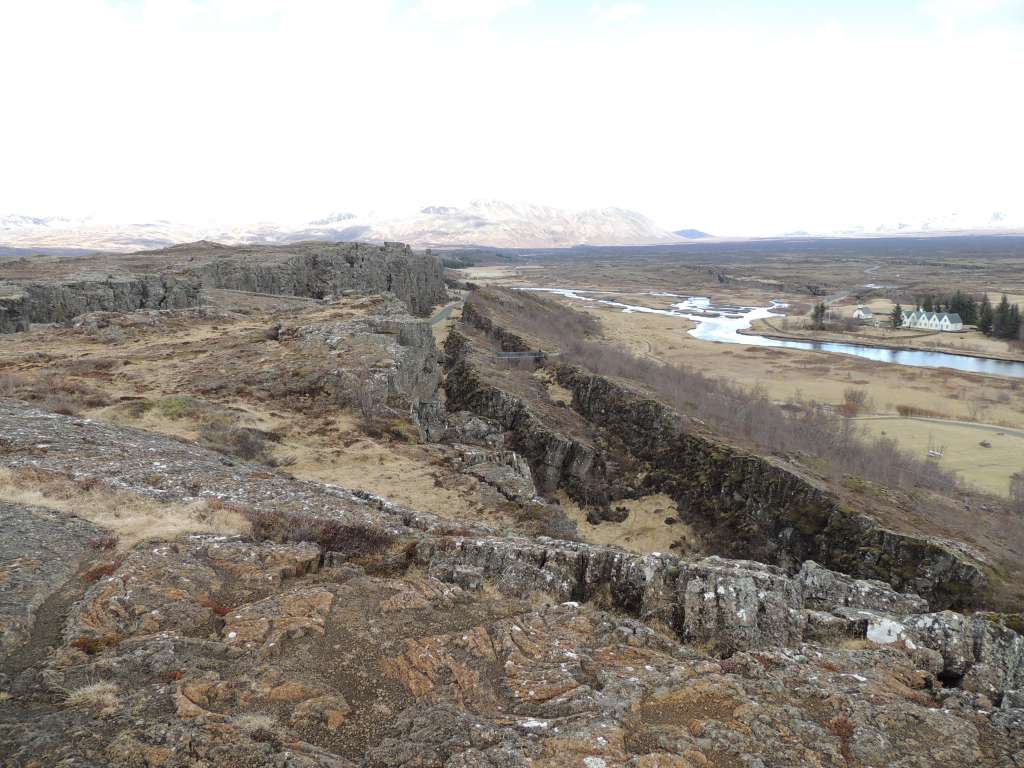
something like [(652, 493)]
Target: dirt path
[(951, 422)]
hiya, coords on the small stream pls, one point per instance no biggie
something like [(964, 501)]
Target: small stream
[(723, 323)]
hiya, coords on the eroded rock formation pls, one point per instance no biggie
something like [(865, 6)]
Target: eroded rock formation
[(319, 270)]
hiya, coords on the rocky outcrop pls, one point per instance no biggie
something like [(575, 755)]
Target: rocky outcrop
[(59, 302), (14, 312), (743, 505), (468, 648), (387, 354), (321, 270), (749, 506), (506, 471), (555, 459)]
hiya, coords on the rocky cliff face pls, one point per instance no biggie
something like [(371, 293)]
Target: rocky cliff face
[(13, 311), (59, 302), (748, 506), (555, 459), (743, 505), (325, 270), (387, 354), (312, 270)]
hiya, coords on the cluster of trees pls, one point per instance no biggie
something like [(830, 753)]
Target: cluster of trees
[(963, 304), (1001, 321)]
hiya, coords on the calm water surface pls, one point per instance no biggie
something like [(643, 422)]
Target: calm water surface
[(732, 319)]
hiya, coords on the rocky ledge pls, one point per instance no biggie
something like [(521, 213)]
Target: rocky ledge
[(742, 505), (319, 270), (110, 283)]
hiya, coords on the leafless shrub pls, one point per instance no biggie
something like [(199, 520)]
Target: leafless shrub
[(912, 411), (242, 442), (1017, 492), (854, 401), (976, 409), (363, 392), (53, 392)]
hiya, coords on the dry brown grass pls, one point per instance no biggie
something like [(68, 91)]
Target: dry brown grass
[(133, 518)]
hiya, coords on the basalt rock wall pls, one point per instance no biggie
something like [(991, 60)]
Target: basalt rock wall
[(330, 269), (744, 506), (751, 507), (59, 302)]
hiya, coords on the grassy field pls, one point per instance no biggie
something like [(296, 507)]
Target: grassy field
[(988, 468)]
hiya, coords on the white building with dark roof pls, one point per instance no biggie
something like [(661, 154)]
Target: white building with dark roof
[(933, 321)]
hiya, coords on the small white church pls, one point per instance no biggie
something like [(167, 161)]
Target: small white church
[(933, 321)]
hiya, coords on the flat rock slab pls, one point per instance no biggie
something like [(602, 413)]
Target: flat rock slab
[(40, 549)]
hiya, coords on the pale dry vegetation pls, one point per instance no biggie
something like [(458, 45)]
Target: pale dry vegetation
[(102, 696), (129, 516)]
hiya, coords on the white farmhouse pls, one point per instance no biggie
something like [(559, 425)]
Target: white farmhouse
[(933, 321), (863, 313)]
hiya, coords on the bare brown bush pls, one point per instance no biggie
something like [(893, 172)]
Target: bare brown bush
[(242, 442), (854, 401)]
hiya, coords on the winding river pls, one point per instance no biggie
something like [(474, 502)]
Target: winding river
[(723, 323)]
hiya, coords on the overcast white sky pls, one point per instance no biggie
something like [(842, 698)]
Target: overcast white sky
[(733, 116)]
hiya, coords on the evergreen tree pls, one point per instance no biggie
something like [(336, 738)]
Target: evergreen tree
[(1013, 322), (818, 316), (897, 316), (928, 305), (1001, 319), (986, 317)]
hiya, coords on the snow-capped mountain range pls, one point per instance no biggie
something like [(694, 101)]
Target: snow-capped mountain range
[(481, 223), (998, 221), (487, 223)]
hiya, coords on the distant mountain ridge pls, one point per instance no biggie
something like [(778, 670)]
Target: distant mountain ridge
[(481, 223)]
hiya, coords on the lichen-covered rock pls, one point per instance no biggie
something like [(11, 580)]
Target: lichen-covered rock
[(506, 471), (977, 654), (734, 605), (822, 588), (387, 344)]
